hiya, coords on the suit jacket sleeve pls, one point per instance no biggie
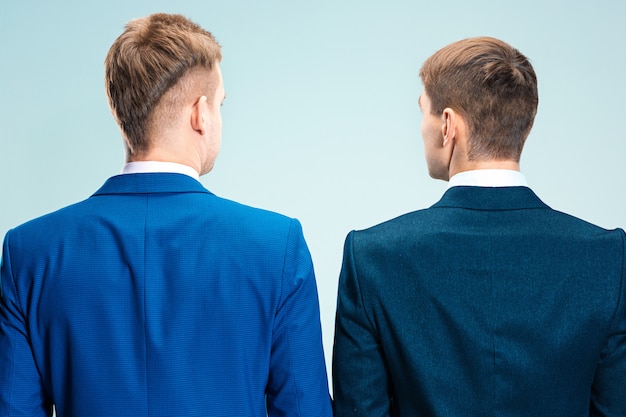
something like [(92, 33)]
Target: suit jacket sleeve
[(21, 389), (608, 392), (360, 381), (298, 382)]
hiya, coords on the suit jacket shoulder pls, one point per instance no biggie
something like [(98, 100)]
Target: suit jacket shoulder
[(491, 295), (174, 299)]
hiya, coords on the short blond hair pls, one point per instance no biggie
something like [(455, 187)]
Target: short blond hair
[(145, 61), (493, 86)]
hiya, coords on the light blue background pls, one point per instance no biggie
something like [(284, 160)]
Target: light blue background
[(321, 120)]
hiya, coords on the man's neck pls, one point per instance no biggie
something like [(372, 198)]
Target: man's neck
[(484, 164), (160, 155)]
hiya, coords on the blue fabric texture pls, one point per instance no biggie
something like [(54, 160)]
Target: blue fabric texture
[(154, 297), (488, 303)]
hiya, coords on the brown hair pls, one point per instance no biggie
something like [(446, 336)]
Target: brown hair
[(493, 86), (147, 60)]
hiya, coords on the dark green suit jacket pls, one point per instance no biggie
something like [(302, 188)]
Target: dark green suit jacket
[(489, 303)]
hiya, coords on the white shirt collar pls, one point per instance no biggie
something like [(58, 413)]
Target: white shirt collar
[(139, 167), (489, 178)]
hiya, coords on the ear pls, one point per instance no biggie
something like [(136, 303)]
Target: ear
[(199, 115), (449, 126)]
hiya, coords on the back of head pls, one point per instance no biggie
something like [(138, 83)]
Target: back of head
[(147, 60), (493, 86)]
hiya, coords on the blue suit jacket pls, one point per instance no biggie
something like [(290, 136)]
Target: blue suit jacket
[(489, 303), (154, 297)]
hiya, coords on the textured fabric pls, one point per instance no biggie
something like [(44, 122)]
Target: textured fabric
[(154, 297), (489, 303)]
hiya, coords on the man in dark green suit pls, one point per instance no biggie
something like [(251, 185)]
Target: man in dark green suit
[(488, 303)]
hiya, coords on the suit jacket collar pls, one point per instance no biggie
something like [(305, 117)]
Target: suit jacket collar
[(490, 198), (148, 183)]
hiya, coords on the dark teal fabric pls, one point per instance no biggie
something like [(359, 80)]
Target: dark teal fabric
[(489, 303), (154, 297)]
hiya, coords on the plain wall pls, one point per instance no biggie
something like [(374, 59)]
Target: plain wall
[(321, 121)]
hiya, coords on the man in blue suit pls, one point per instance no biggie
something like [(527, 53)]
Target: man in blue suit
[(488, 303), (154, 297)]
